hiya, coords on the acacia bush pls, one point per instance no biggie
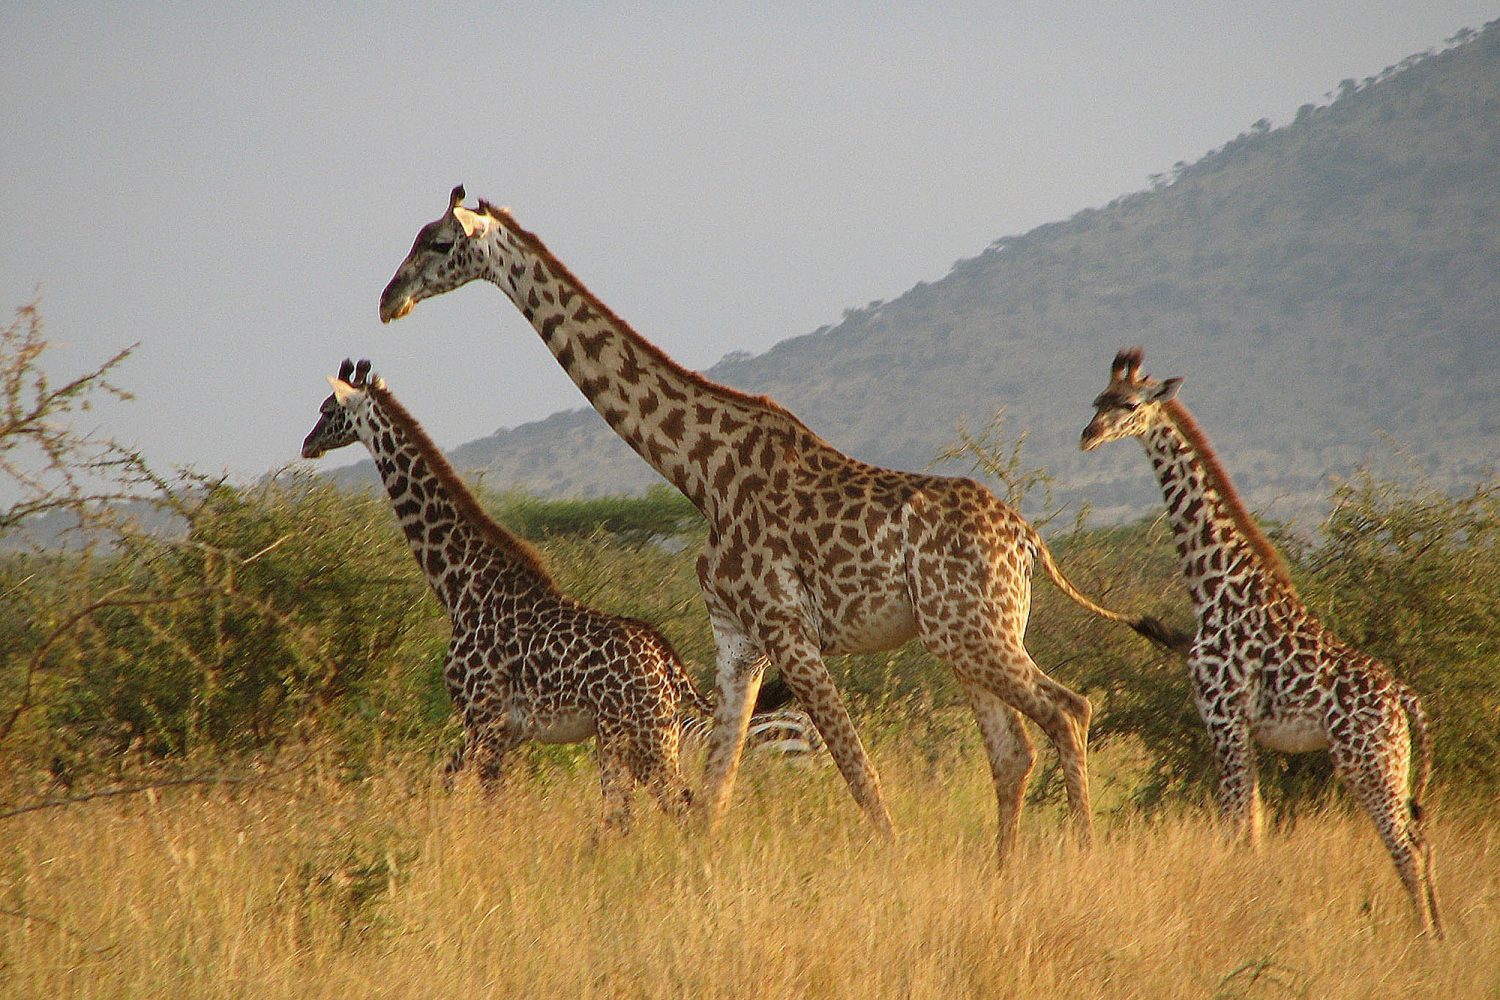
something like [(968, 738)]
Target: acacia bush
[(281, 605), (293, 610), (659, 515)]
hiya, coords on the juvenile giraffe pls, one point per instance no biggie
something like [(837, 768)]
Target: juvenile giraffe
[(1262, 667), (525, 661), (809, 551)]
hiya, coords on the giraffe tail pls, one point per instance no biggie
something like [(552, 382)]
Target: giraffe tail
[(1146, 626), (1422, 738), (689, 698)]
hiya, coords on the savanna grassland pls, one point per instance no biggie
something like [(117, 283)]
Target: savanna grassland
[(314, 886), (219, 740)]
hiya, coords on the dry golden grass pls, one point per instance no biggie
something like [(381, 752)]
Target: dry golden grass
[(394, 889)]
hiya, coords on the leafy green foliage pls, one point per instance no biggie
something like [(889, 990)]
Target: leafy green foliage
[(660, 514), (280, 604)]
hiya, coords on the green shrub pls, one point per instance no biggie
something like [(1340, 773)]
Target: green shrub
[(283, 604), (661, 514)]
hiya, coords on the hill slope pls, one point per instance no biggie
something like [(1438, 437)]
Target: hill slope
[(1328, 289)]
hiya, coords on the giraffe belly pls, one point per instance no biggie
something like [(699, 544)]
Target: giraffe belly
[(559, 727), (1300, 734), (871, 629)]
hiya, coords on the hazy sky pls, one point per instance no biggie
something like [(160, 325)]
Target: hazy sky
[(232, 185)]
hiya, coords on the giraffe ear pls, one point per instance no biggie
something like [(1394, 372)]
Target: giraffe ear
[(471, 222), (1167, 391), (342, 391)]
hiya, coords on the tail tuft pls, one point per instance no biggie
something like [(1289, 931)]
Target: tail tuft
[(1170, 638)]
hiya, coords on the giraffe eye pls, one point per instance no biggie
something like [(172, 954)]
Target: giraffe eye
[(1131, 406), (440, 246)]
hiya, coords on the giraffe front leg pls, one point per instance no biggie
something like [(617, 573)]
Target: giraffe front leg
[(455, 764), (453, 671), (494, 741), (740, 668), (1239, 784)]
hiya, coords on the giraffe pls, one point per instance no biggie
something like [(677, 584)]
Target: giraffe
[(1263, 668), (809, 552), (525, 661)]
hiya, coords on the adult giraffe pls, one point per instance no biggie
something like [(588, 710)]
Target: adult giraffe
[(809, 551)]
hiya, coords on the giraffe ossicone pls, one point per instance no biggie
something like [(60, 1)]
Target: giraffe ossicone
[(525, 661), (809, 551), (1263, 668)]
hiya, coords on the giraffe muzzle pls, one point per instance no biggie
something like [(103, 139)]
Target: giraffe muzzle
[(396, 309)]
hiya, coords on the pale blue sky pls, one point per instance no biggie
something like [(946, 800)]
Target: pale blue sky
[(232, 186)]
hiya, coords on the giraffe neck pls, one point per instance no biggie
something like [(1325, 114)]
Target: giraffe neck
[(464, 554), (1224, 558), (692, 431)]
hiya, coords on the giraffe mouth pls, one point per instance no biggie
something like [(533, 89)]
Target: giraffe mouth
[(400, 310), (1092, 436)]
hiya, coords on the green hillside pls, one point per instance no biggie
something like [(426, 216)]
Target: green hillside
[(1330, 290)]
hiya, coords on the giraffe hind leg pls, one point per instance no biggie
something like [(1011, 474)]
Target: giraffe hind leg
[(654, 763), (1063, 714), (1379, 786), (1011, 759), (1002, 674), (1379, 783), (970, 584), (614, 783)]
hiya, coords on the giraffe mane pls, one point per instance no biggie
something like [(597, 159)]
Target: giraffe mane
[(1270, 559), (504, 217), (459, 494)]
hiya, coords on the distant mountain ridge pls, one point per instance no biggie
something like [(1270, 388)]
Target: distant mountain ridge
[(1329, 289)]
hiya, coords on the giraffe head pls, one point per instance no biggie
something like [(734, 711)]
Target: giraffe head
[(343, 413), (445, 255), (1129, 404)]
